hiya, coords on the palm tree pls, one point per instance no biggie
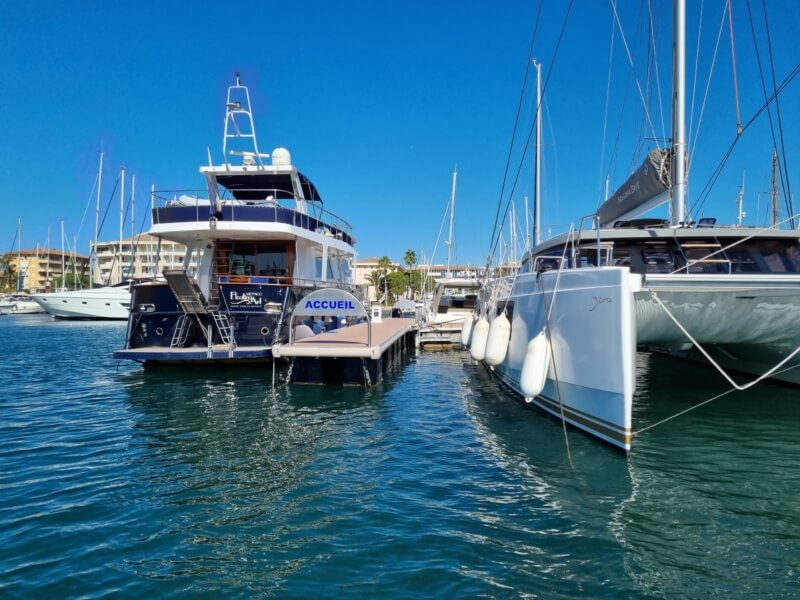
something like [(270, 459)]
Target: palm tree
[(8, 280), (374, 278), (411, 259), (384, 263)]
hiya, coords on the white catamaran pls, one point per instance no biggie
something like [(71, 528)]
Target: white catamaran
[(565, 332)]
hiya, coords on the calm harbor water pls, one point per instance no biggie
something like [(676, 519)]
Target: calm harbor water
[(128, 483)]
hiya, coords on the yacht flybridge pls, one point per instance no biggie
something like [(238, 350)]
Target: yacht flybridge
[(261, 240)]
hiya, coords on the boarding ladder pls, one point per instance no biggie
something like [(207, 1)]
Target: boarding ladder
[(181, 333), (191, 300), (186, 291), (225, 327)]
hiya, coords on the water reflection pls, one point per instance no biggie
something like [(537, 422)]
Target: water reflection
[(703, 505), (712, 511), (250, 476)]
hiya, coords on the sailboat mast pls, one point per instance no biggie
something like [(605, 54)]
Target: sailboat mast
[(527, 230), (740, 204), (95, 263), (47, 270), (121, 220), (677, 214), (452, 219), (775, 188), (537, 235), (132, 204), (19, 255), (63, 269)]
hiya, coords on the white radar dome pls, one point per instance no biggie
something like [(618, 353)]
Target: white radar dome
[(281, 157)]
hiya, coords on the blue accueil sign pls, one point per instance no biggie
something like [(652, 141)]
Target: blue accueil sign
[(329, 302)]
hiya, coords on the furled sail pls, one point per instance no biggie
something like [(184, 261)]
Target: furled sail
[(643, 190)]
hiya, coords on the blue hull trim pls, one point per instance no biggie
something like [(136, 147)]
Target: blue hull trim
[(196, 355)]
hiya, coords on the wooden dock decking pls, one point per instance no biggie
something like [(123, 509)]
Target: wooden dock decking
[(348, 342), (344, 356)]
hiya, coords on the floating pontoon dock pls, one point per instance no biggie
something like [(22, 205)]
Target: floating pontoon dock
[(350, 355)]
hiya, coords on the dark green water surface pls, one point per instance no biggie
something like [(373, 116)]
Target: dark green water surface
[(120, 482)]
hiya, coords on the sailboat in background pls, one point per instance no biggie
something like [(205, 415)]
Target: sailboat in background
[(566, 336), (454, 297), (109, 302), (19, 303)]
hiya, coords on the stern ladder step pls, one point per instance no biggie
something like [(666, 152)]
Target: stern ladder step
[(224, 326)]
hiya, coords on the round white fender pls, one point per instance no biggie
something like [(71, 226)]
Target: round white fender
[(466, 330), (535, 366), (497, 340), (480, 334)]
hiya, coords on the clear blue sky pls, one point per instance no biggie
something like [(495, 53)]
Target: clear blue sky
[(376, 101)]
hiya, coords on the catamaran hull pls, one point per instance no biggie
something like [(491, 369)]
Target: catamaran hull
[(745, 324), (592, 335)]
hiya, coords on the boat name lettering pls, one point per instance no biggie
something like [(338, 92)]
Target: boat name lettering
[(247, 298), (335, 304)]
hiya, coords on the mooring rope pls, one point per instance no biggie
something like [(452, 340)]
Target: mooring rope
[(546, 329), (734, 386), (713, 362)]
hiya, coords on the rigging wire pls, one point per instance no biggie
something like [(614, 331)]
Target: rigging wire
[(108, 206), (696, 71), (514, 130), (498, 230), (603, 177), (86, 208), (659, 96), (642, 137), (764, 85), (729, 8), (718, 171), (784, 165), (708, 91), (636, 79)]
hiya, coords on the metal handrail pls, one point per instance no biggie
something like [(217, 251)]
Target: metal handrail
[(319, 213)]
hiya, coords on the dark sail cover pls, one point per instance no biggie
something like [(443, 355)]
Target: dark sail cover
[(649, 181)]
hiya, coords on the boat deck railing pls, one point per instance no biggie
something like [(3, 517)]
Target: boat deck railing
[(182, 206)]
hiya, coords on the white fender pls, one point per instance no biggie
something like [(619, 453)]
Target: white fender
[(497, 340), (466, 330), (535, 366), (302, 332), (480, 334)]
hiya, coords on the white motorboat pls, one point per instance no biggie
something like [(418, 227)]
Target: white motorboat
[(453, 300), (109, 302), (262, 241), (565, 331), (19, 304)]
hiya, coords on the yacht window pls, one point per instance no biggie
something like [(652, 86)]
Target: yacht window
[(742, 260), (258, 259), (621, 257), (318, 266), (546, 263), (702, 257), (587, 256), (344, 267), (658, 259), (779, 256)]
